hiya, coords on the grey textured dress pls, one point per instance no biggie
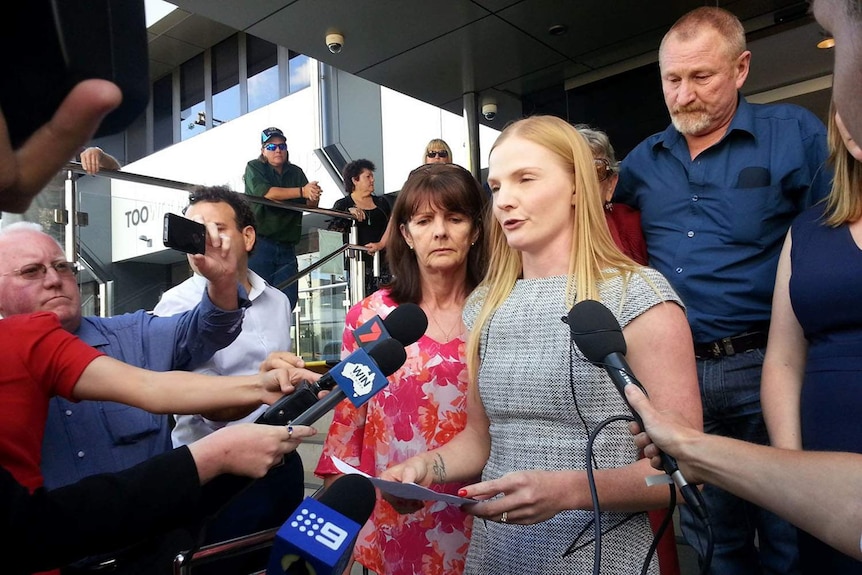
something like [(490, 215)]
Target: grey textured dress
[(543, 399)]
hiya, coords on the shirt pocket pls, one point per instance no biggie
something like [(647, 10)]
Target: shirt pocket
[(127, 424), (753, 213)]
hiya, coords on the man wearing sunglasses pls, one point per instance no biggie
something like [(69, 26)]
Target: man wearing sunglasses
[(272, 176)]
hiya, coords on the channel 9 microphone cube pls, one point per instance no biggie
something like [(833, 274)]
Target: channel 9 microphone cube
[(315, 537), (359, 378)]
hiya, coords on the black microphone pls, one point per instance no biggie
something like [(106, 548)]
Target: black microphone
[(319, 535), (406, 324), (598, 335), (359, 376)]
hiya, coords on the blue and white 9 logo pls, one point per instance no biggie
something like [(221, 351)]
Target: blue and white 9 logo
[(313, 525)]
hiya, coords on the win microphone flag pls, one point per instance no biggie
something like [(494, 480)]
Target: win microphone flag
[(359, 377)]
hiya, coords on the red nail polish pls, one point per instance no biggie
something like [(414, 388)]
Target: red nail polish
[(462, 492)]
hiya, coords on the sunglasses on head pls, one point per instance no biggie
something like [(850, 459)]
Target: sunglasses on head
[(603, 169), (274, 147), (434, 154)]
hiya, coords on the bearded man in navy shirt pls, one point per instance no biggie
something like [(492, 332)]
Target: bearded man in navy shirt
[(717, 191)]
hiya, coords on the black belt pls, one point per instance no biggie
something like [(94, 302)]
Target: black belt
[(732, 345)]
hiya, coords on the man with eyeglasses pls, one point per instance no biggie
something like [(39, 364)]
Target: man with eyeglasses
[(86, 438), (272, 176)]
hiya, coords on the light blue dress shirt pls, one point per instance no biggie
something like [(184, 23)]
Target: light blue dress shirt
[(89, 437)]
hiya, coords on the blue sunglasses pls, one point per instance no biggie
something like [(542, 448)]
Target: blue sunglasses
[(274, 147)]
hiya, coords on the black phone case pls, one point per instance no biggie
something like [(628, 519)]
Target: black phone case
[(184, 234), (290, 406)]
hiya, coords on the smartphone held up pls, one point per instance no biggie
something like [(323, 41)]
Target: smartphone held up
[(184, 235)]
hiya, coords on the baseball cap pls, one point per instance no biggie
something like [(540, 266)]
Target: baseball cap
[(269, 133)]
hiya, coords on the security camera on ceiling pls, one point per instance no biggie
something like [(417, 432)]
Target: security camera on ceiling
[(335, 42)]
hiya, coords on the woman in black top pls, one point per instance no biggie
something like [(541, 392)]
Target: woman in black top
[(371, 212)]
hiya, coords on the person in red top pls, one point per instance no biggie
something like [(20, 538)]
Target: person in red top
[(40, 359), (623, 221)]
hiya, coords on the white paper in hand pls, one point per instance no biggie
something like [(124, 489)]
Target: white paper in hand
[(404, 490)]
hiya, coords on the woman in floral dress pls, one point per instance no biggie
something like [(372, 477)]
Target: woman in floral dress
[(437, 257)]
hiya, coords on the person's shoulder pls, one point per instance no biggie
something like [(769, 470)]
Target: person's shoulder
[(473, 305), (40, 320), (255, 164), (813, 216), (182, 297), (275, 294), (291, 167), (382, 203), (645, 147), (378, 303), (784, 111), (342, 203), (630, 295)]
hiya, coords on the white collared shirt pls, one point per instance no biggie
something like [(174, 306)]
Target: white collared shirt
[(265, 328)]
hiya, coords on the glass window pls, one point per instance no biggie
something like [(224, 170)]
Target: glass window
[(225, 79), (300, 72), (262, 62), (192, 105), (163, 124)]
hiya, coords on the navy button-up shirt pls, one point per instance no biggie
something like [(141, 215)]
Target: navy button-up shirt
[(715, 224)]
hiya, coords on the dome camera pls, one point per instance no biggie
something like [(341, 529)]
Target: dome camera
[(489, 110), (335, 42)]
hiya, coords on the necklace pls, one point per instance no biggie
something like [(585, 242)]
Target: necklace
[(446, 333)]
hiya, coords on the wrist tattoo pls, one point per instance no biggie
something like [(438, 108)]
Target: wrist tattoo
[(438, 468)]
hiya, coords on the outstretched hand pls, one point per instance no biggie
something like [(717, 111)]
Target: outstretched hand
[(284, 359), (25, 171), (246, 449), (219, 262), (666, 431)]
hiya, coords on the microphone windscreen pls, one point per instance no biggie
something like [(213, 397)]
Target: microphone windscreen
[(351, 495), (595, 330), (389, 355), (406, 323)]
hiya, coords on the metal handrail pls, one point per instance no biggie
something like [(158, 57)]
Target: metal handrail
[(320, 262), (78, 168), (184, 186), (184, 562)]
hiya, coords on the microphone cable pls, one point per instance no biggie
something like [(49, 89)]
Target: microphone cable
[(705, 561), (597, 518)]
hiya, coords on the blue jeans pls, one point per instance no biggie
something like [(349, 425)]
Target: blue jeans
[(730, 391), (276, 262)]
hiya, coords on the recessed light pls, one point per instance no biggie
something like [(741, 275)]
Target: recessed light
[(558, 29)]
